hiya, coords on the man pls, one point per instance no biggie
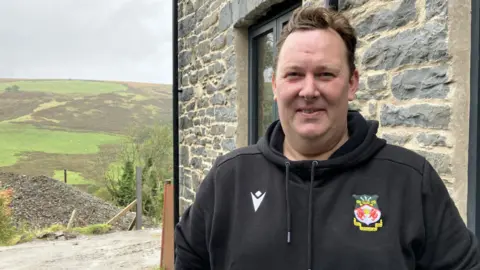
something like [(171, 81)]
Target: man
[(320, 190)]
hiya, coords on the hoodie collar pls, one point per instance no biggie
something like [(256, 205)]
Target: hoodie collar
[(361, 145)]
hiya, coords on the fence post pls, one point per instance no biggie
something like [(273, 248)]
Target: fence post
[(65, 175), (139, 199), (167, 256)]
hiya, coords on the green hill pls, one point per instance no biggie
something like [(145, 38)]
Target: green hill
[(47, 126), (64, 86)]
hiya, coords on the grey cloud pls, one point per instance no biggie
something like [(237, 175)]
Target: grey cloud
[(88, 39)]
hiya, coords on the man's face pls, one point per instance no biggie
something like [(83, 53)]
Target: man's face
[(313, 64)]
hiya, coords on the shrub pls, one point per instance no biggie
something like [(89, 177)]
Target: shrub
[(13, 88), (151, 149), (7, 229)]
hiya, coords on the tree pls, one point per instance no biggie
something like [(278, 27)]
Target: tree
[(13, 88), (151, 149)]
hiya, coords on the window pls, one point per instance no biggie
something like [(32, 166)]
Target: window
[(262, 39)]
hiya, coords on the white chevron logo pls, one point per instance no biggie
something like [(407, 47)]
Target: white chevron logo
[(257, 199)]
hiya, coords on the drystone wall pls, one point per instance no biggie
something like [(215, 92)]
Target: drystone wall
[(404, 61), (207, 99)]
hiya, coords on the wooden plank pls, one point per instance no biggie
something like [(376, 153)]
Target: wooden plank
[(72, 217), (168, 228), (122, 213), (130, 227)]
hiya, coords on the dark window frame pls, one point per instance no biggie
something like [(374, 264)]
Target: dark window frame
[(473, 201), (271, 23)]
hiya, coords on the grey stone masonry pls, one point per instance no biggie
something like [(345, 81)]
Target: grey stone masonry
[(423, 83), (404, 68), (207, 99), (415, 46), (402, 56)]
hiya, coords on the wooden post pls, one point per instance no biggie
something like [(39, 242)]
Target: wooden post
[(72, 218), (167, 248), (139, 199), (65, 175)]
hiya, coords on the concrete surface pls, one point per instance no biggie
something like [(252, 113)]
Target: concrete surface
[(118, 250)]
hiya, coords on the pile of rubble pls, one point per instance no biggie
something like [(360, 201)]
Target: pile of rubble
[(41, 201)]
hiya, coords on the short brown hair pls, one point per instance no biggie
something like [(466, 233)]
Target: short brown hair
[(314, 17)]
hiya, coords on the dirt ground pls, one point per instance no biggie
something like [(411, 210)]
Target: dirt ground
[(118, 250)]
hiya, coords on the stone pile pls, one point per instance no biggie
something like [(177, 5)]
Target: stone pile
[(41, 201)]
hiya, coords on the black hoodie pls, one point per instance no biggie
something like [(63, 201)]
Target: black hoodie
[(370, 206)]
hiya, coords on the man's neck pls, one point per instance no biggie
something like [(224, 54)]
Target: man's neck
[(307, 150)]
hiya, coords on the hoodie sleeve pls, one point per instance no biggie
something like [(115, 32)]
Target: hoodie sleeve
[(449, 244), (192, 231)]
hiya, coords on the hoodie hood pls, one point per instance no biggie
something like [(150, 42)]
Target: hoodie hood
[(361, 146)]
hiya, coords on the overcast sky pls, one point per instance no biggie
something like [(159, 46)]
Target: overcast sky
[(126, 40)]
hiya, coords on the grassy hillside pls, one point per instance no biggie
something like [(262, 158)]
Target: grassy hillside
[(18, 139), (47, 126), (65, 86)]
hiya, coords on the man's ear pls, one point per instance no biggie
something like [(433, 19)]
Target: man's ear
[(353, 85), (274, 87)]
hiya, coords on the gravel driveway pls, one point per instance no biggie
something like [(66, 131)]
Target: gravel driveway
[(118, 250)]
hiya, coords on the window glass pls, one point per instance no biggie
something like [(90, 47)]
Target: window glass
[(263, 37), (265, 50)]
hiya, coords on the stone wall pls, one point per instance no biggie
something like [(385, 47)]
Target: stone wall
[(407, 81), (404, 60), (207, 102)]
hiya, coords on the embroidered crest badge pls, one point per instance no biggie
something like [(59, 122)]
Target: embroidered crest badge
[(368, 217)]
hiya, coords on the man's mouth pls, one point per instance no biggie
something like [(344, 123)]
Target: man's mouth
[(310, 111)]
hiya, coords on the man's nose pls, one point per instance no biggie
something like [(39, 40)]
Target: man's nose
[(309, 87)]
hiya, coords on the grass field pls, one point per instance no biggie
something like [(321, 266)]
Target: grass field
[(66, 86), (73, 178), (16, 139), (51, 125)]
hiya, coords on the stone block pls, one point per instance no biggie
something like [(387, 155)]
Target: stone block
[(440, 162), (431, 139), (387, 19), (417, 115), (397, 139), (412, 46), (186, 25), (348, 4), (436, 8), (225, 114), (228, 144), (425, 83)]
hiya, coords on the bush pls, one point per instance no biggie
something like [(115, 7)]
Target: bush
[(151, 149), (103, 194), (7, 229), (12, 89)]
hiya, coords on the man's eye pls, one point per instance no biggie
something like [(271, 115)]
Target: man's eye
[(293, 74), (326, 74)]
